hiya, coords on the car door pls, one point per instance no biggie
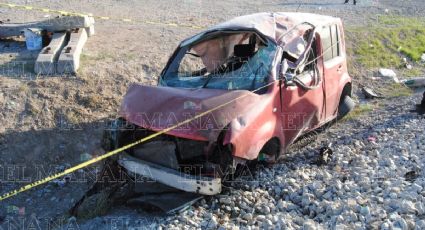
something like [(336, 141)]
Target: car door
[(334, 65), (302, 109)]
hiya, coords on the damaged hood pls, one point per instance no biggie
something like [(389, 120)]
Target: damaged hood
[(157, 108)]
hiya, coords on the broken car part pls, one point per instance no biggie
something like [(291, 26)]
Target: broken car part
[(411, 175), (174, 178), (169, 203), (325, 154), (414, 82), (370, 93)]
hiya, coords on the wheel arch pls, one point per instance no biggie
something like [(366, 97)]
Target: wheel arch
[(273, 141), (347, 90)]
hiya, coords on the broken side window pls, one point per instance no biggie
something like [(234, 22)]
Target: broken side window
[(309, 74)]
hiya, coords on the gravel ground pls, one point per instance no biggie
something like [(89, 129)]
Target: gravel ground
[(368, 183), (364, 186)]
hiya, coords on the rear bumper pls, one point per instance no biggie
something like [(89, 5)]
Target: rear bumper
[(170, 177)]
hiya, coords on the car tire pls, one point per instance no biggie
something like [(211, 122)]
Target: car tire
[(271, 150), (268, 155), (346, 105)]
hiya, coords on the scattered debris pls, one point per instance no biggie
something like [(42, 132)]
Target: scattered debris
[(325, 154), (411, 175), (388, 73), (33, 38), (420, 108), (371, 139), (370, 93), (169, 203), (414, 82), (406, 64)]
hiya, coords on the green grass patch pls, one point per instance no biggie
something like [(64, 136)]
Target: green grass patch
[(386, 41), (359, 110), (415, 72), (396, 90)]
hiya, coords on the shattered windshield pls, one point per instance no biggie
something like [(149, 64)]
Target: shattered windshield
[(225, 61)]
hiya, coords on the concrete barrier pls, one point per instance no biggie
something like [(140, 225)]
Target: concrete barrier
[(47, 59)]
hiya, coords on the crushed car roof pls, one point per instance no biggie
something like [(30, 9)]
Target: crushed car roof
[(280, 27)]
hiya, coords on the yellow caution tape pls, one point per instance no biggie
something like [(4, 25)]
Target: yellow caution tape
[(116, 151), (68, 13)]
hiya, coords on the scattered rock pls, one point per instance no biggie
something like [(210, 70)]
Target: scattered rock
[(400, 224), (365, 211), (420, 224), (226, 200), (389, 74), (407, 206), (247, 216), (212, 224), (309, 225)]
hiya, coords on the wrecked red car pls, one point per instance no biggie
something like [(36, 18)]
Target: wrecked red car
[(261, 80)]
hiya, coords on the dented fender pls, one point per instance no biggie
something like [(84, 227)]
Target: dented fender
[(249, 132)]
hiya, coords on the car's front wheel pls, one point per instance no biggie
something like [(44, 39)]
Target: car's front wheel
[(346, 105)]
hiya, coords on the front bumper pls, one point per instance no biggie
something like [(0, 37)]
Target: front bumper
[(173, 178)]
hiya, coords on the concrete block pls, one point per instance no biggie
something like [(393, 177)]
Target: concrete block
[(52, 25), (69, 59), (48, 56)]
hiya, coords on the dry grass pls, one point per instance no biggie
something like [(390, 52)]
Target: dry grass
[(92, 101), (73, 117)]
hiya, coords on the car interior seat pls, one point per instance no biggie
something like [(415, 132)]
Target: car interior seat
[(242, 53)]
